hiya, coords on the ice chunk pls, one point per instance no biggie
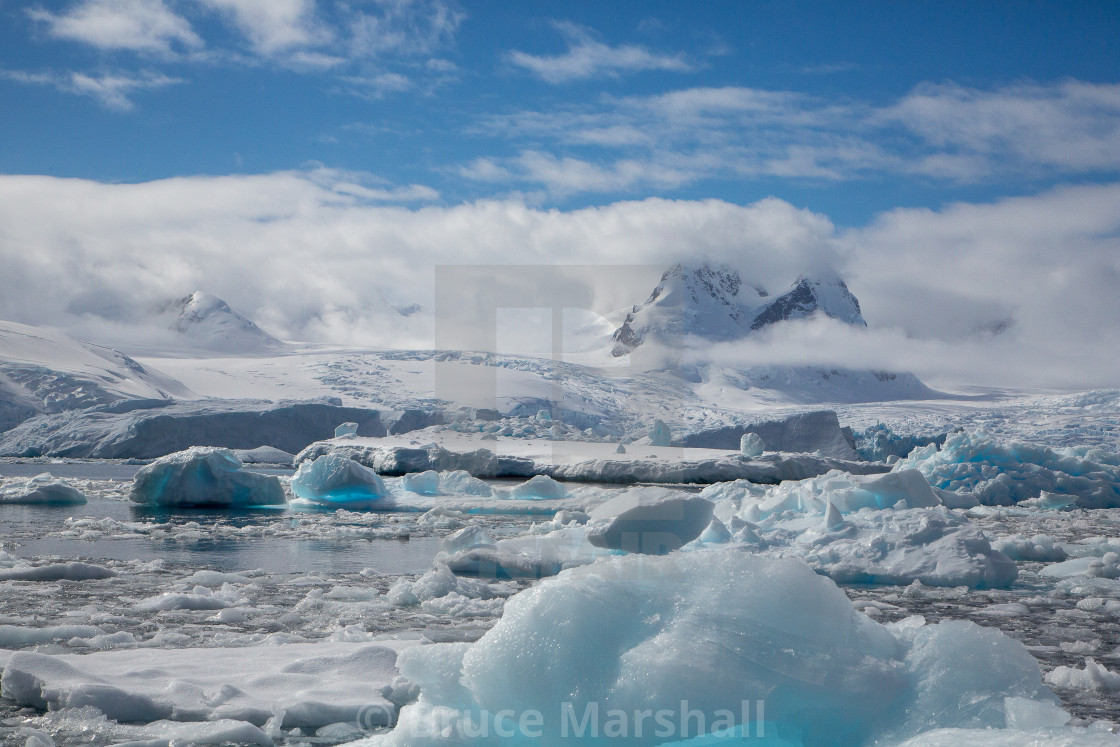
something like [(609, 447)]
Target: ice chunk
[(423, 483), (649, 520), (346, 430), (764, 646), (751, 445), (437, 583), (715, 533), (43, 489), (1048, 501), (620, 449), (538, 487), (74, 571), (466, 538), (1040, 547), (528, 556), (1092, 677), (832, 518), (660, 434), (335, 480), (460, 481), (265, 455), (204, 476)]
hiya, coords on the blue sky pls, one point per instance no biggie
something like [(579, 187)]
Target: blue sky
[(848, 109), (314, 163)]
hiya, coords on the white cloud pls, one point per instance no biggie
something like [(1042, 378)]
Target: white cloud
[(404, 27), (112, 91), (138, 25), (1017, 292), (945, 132), (587, 57), (274, 26), (1070, 126)]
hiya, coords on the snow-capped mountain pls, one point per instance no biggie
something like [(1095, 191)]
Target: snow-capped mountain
[(809, 296), (713, 303), (208, 323)]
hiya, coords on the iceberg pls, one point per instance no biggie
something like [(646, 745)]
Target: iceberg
[(335, 480), (204, 476), (538, 487), (751, 445), (653, 521), (710, 641), (660, 434), (42, 489)]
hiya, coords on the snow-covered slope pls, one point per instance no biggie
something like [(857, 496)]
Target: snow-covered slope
[(43, 371), (713, 303), (207, 323)]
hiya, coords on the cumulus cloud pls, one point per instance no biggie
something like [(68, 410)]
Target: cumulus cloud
[(946, 131), (1016, 292), (137, 25), (587, 57)]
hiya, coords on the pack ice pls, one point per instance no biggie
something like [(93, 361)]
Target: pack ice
[(877, 529), (204, 476), (1001, 473), (664, 649)]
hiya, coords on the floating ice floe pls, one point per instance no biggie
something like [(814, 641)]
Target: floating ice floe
[(204, 476), (42, 489), (653, 521), (265, 455), (1001, 473), (309, 686), (528, 556), (718, 640), (336, 481), (538, 487), (72, 571), (453, 482)]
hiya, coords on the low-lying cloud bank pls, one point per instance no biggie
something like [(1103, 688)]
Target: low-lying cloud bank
[(1021, 291)]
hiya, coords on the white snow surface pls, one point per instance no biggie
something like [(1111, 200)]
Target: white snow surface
[(44, 371)]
